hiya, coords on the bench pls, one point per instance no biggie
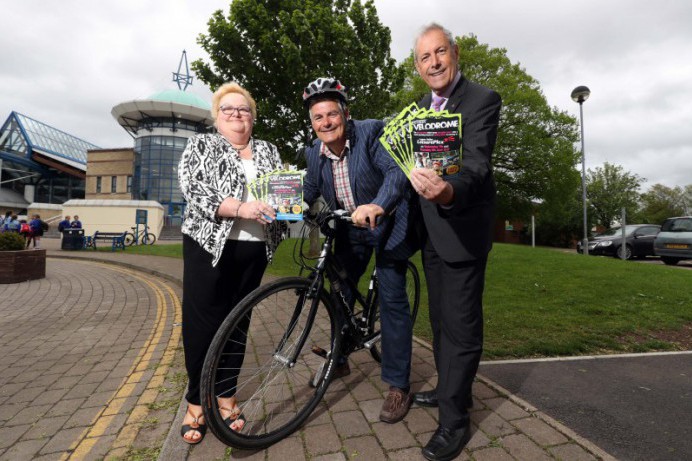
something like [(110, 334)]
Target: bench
[(117, 239)]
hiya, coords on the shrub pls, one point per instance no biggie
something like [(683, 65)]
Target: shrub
[(11, 241)]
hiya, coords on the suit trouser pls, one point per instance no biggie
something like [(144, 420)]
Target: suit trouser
[(455, 297), (354, 254), (209, 295)]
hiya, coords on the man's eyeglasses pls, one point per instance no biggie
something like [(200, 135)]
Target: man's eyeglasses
[(243, 111)]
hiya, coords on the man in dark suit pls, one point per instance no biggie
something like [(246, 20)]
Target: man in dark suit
[(458, 211), (350, 169)]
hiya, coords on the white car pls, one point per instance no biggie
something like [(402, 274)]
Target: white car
[(674, 242)]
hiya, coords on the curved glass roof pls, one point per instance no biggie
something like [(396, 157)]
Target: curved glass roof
[(47, 139), (181, 97)]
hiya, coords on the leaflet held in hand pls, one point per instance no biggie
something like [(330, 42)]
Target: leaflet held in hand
[(424, 138), (283, 190)]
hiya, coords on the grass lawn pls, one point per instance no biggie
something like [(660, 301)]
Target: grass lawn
[(542, 302)]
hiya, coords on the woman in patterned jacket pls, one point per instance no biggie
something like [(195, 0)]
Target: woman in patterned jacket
[(228, 239)]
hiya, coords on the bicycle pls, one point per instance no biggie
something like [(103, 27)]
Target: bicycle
[(136, 236), (286, 338)]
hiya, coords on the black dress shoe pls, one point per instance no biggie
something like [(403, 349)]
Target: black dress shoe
[(446, 444), (429, 399)]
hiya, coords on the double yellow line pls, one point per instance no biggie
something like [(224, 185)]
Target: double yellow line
[(103, 421)]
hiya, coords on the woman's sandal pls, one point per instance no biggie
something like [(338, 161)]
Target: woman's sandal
[(236, 417), (201, 428)]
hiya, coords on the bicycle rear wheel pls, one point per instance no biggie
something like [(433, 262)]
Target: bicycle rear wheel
[(148, 239), (413, 292), (255, 345)]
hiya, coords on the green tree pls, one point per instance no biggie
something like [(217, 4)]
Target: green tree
[(609, 189), (275, 48), (687, 198), (535, 157), (661, 202)]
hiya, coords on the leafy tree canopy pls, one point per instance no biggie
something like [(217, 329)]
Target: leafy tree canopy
[(661, 202), (609, 189), (275, 48)]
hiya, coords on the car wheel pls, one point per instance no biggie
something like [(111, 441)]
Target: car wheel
[(668, 261), (628, 252)]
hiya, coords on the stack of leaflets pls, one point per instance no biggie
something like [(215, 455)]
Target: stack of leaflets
[(424, 138), (283, 190)]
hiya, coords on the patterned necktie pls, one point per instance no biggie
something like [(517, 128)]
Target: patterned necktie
[(437, 102)]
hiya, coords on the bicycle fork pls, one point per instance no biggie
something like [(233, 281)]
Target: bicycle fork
[(312, 295)]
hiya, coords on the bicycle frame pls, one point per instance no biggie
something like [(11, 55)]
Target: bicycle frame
[(352, 331), (138, 234)]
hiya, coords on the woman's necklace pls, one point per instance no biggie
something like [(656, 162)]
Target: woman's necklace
[(241, 150)]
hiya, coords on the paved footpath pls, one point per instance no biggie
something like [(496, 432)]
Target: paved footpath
[(91, 369), (84, 352)]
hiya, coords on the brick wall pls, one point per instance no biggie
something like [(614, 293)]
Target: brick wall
[(106, 164)]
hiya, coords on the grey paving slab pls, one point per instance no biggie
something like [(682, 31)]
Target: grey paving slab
[(93, 322), (57, 385)]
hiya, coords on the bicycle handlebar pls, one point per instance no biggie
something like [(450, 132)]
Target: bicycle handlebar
[(323, 218)]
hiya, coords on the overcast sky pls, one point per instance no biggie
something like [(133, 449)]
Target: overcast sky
[(68, 62)]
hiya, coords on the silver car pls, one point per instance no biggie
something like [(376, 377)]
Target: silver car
[(674, 242)]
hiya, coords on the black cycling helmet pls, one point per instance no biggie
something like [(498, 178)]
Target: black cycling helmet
[(325, 88)]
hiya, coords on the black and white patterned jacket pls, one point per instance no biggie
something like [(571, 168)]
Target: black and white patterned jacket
[(210, 170)]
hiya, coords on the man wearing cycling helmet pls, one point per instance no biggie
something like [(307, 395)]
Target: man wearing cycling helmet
[(350, 169)]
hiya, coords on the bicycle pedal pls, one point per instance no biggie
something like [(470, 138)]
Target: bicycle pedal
[(317, 350)]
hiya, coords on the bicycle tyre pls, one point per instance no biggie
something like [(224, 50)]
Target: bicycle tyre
[(129, 239), (413, 291), (274, 398), (148, 239)]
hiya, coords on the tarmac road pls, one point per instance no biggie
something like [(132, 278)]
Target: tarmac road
[(636, 407)]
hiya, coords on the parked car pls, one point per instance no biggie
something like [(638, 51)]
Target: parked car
[(639, 241), (674, 242)]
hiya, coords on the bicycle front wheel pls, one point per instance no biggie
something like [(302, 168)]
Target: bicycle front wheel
[(413, 292), (266, 354), (129, 239), (148, 239)]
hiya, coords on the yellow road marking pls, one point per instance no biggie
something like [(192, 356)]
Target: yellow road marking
[(89, 437)]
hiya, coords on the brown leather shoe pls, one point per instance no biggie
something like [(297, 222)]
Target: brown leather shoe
[(395, 405)]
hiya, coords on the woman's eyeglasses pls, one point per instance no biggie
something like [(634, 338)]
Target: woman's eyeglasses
[(243, 111)]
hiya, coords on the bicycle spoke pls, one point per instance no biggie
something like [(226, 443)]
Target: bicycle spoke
[(273, 394)]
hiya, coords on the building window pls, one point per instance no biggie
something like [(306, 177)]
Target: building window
[(129, 184), (98, 184), (114, 185)]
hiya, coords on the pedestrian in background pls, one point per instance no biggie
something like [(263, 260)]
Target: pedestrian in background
[(65, 224), (36, 231), (6, 220), (13, 225)]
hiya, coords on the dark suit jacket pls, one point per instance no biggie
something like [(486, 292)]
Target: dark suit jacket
[(374, 177), (464, 232)]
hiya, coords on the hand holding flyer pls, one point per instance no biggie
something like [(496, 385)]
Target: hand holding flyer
[(424, 138), (283, 190)]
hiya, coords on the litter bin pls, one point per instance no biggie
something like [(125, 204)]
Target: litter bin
[(72, 239)]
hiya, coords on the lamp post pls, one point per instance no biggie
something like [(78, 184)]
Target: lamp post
[(581, 94)]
